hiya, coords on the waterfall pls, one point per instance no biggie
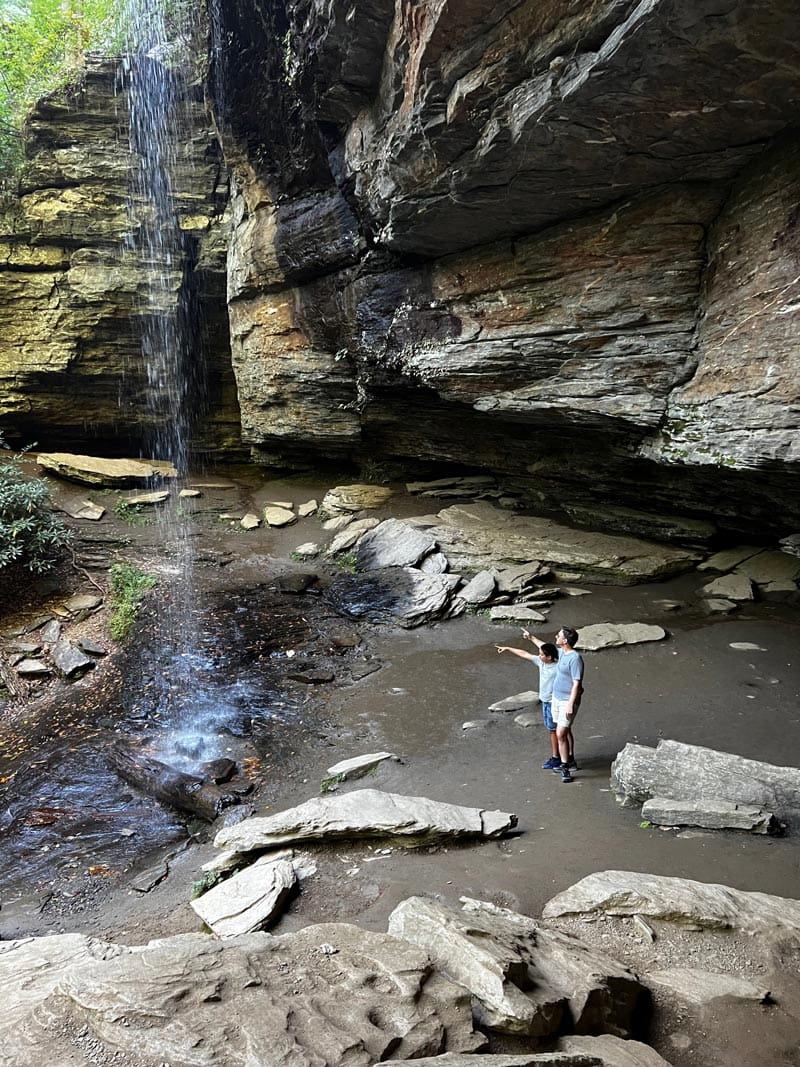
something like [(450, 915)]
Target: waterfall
[(159, 75)]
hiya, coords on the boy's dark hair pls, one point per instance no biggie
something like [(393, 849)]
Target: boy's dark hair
[(549, 650), (571, 635)]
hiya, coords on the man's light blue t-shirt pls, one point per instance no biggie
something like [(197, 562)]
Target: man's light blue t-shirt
[(569, 669)]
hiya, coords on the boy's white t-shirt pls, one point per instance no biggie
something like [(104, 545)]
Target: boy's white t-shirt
[(547, 676)]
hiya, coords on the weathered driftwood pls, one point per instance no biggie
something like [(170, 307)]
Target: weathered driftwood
[(185, 792)]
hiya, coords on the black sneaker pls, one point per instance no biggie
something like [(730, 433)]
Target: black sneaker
[(573, 766), (565, 775)]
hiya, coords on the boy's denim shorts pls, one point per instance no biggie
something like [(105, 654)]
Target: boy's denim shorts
[(547, 715)]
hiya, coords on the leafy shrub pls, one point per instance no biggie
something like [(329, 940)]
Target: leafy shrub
[(31, 536), (41, 48), (128, 586)]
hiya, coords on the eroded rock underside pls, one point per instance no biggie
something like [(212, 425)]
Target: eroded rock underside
[(552, 240)]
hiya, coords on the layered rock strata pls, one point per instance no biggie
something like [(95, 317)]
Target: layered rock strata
[(520, 239), (74, 294), (557, 242)]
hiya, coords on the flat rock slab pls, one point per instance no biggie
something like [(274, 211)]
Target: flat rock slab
[(364, 813), (528, 718), (329, 994), (525, 979), (611, 1051), (32, 668), (307, 550), (340, 522), (615, 634), (520, 1059), (91, 648), (140, 499), (479, 536), (710, 814), (678, 900), (400, 595), (306, 509), (691, 772), (353, 531), (249, 900), (346, 499), (358, 766), (517, 612), (517, 578), (92, 470), (724, 561), (517, 702), (730, 587), (703, 987), (393, 543), (83, 509), (275, 516), (718, 606), (70, 660), (770, 567), (250, 521), (82, 602), (479, 589), (51, 632)]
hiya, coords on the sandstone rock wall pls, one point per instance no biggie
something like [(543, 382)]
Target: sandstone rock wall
[(490, 235), (73, 294), (527, 229)]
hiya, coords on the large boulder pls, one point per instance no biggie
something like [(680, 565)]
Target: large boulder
[(329, 994), (678, 900), (525, 979), (93, 470), (364, 813), (480, 536), (403, 596), (689, 772)]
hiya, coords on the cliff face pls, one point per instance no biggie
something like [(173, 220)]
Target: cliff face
[(506, 234), (557, 240), (74, 295)]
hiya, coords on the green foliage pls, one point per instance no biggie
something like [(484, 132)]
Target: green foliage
[(133, 514), (41, 48), (128, 586), (202, 885), (645, 825), (347, 561), (31, 536), (328, 785)]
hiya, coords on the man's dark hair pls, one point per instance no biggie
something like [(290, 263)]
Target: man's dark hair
[(549, 650), (571, 635)]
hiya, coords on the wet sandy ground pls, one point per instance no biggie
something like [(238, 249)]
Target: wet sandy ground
[(691, 687)]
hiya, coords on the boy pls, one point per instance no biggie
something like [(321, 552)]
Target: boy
[(547, 662)]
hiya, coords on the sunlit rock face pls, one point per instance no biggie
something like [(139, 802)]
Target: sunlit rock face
[(532, 231), (73, 294)]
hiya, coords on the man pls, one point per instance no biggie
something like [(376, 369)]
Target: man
[(546, 662), (567, 691)]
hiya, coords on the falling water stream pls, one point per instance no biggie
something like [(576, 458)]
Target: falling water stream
[(159, 81)]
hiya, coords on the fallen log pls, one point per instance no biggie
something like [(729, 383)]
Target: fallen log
[(185, 792)]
